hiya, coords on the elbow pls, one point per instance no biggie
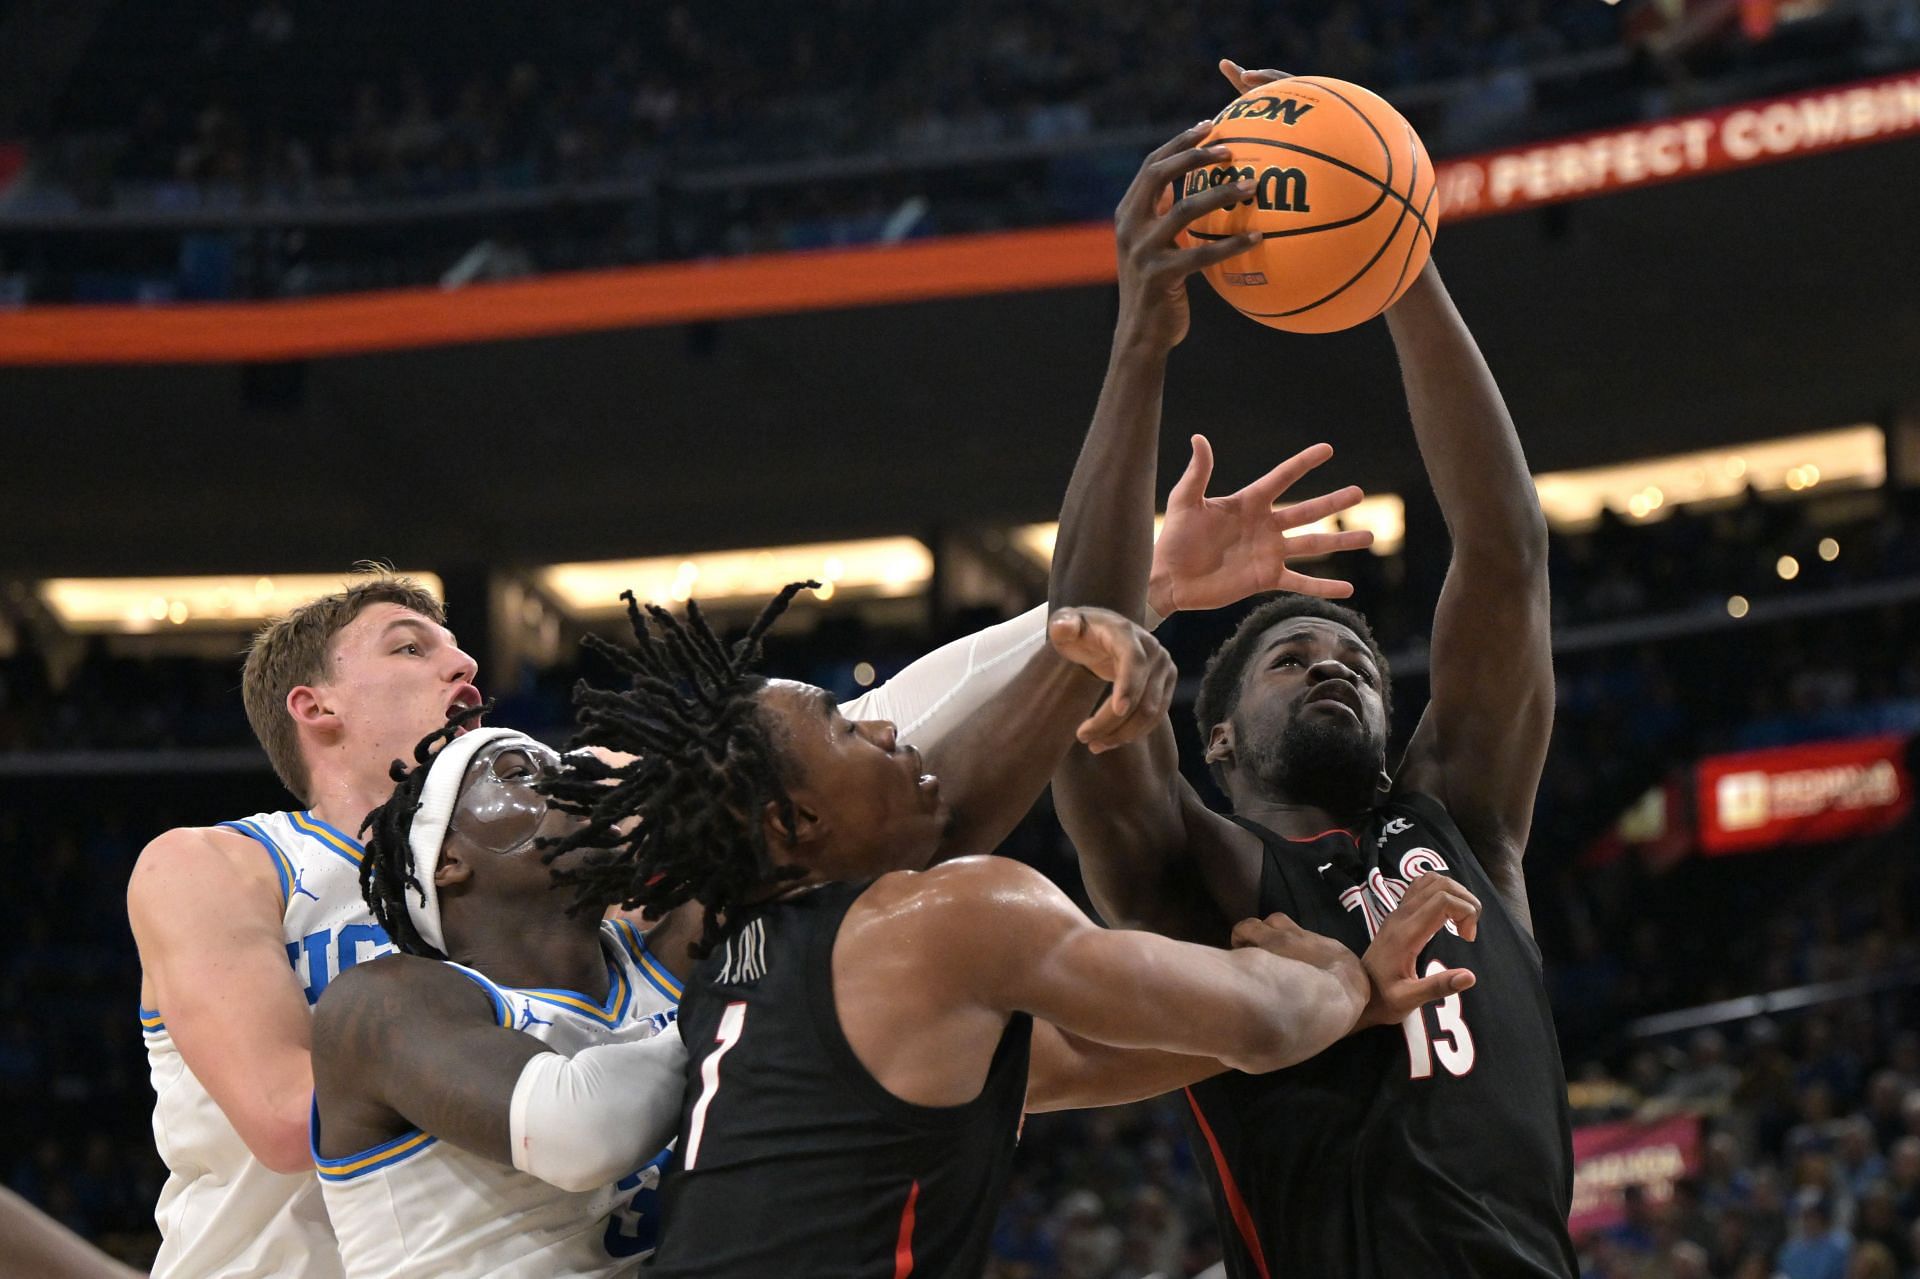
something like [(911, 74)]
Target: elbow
[(281, 1143), (583, 1178)]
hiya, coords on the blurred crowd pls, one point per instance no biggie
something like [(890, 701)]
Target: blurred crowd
[(278, 99), (409, 145)]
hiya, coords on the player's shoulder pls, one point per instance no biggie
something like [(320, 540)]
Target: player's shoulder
[(957, 901), (962, 882), (203, 865), (397, 990)]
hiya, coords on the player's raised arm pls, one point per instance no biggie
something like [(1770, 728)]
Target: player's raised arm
[(206, 911), (1482, 742), (405, 1042), (993, 767)]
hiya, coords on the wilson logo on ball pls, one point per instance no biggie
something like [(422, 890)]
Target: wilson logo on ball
[(1274, 189)]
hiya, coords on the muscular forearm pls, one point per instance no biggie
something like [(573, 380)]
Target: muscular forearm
[(1105, 545), (1466, 438), (1070, 1072), (1304, 1009)]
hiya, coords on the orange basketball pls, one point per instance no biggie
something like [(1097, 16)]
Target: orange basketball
[(1344, 196)]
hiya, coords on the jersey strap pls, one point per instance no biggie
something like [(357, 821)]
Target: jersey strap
[(384, 1155), (634, 942), (333, 840), (281, 866)]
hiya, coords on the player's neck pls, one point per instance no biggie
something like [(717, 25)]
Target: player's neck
[(343, 798), (548, 949), (1288, 818)]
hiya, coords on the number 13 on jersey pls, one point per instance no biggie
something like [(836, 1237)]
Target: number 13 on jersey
[(1452, 1043)]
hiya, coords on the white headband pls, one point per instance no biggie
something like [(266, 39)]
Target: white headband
[(429, 829)]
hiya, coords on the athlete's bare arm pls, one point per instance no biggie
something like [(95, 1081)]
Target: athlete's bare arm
[(994, 766), (928, 967), (405, 1042), (38, 1247), (206, 911), (1482, 742)]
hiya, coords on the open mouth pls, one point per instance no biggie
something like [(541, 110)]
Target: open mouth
[(467, 698)]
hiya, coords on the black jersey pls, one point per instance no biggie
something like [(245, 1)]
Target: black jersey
[(1436, 1148), (793, 1160)]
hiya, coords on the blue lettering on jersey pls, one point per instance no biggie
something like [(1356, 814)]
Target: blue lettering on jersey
[(330, 952), (634, 1227)]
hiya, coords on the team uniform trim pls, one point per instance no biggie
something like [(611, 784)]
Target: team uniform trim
[(650, 966), (344, 845), (281, 865), (374, 1158), (151, 1022)]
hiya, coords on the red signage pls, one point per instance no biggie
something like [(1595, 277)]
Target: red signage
[(1684, 146), (13, 162), (1802, 794), (1607, 1158)]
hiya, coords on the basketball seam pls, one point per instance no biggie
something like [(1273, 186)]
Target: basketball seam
[(1406, 207), (1415, 242), (1386, 148), (1385, 187)]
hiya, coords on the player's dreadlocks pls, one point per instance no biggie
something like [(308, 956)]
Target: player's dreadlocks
[(386, 872), (707, 767)]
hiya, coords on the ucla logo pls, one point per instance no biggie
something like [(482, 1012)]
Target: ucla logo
[(1275, 189), (321, 956)]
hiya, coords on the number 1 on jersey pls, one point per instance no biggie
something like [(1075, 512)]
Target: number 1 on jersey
[(732, 1022), (1453, 1045)]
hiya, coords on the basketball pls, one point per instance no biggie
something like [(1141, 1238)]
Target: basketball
[(1344, 195)]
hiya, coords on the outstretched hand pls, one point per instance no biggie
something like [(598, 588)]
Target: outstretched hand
[(1392, 962), (1216, 551), (1127, 657)]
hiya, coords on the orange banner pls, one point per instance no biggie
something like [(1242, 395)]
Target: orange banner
[(958, 266), (628, 297)]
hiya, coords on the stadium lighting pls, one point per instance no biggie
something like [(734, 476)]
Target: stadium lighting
[(1787, 567), (1737, 606), (883, 567), (1829, 549), (142, 605), (1848, 457)]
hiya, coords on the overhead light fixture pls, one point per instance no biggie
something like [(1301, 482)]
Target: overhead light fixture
[(879, 567), (139, 605), (1849, 457)]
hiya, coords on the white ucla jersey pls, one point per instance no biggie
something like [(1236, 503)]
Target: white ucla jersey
[(222, 1212), (416, 1205)]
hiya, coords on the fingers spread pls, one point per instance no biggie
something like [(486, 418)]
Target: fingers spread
[(1327, 588), (1192, 485), (1149, 180), (1284, 476), (1319, 508), (1313, 544)]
